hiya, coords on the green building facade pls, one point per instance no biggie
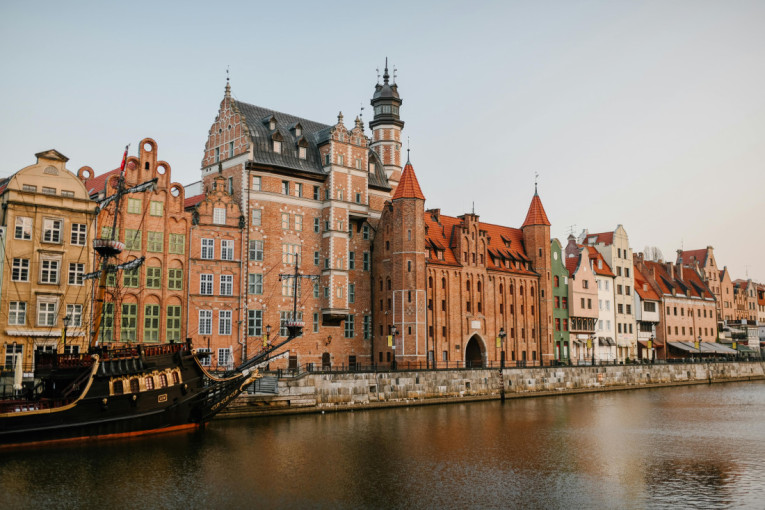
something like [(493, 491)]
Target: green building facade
[(559, 276)]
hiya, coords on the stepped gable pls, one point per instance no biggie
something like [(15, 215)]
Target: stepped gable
[(595, 256), (536, 214), (408, 187), (505, 244)]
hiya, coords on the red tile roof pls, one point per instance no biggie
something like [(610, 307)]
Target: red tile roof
[(691, 284), (689, 256), (503, 243), (595, 256), (190, 202), (408, 187), (643, 288), (572, 263), (601, 237), (536, 214), (97, 183)]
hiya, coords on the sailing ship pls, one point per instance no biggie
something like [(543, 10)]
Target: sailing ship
[(125, 391)]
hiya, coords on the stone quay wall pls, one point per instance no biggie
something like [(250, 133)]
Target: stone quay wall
[(345, 391)]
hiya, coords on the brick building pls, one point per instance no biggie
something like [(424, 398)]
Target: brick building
[(582, 301), (147, 304), (704, 262)]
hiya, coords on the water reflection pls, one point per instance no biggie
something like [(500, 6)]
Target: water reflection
[(698, 446)]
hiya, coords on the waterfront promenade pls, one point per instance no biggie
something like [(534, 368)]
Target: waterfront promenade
[(317, 391)]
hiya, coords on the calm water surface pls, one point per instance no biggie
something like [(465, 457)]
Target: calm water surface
[(686, 447)]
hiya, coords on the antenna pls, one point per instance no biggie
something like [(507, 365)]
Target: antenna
[(473, 207), (536, 181), (394, 74), (571, 229), (378, 75)]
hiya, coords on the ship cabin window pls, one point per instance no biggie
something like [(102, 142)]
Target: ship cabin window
[(163, 380), (134, 388), (117, 387), (176, 379), (150, 383)]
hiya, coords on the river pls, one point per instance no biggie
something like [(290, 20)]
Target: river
[(684, 447)]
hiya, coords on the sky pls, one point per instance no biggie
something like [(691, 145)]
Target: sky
[(649, 114)]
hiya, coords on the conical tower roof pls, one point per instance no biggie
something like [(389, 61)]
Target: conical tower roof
[(408, 187), (536, 214)]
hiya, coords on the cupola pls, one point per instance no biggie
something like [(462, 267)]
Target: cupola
[(386, 102)]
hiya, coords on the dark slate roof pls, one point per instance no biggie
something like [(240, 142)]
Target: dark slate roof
[(313, 132), (378, 178)]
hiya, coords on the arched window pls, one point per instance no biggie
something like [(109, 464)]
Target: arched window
[(117, 386), (478, 286), (163, 380), (176, 379), (531, 291), (467, 285), (381, 287), (521, 291), (501, 288), (557, 281), (409, 266), (388, 283), (149, 383), (512, 289), (134, 387), (430, 282), (443, 283)]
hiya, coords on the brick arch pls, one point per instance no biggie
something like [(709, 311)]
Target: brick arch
[(475, 351)]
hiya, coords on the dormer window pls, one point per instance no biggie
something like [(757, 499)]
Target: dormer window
[(298, 130), (277, 146), (301, 152), (272, 124)]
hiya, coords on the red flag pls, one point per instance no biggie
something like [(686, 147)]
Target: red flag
[(124, 160)]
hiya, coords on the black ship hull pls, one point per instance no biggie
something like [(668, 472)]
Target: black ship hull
[(118, 393)]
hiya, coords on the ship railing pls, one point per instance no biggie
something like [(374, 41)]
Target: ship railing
[(51, 360)]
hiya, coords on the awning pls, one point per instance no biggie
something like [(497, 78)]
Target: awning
[(44, 332), (705, 348), (606, 341), (684, 346)]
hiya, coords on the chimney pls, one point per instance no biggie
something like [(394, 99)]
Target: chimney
[(670, 270), (680, 257), (680, 272)]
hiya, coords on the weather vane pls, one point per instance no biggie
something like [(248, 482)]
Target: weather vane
[(378, 75), (394, 74)]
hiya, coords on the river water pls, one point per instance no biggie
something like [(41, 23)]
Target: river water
[(683, 447)]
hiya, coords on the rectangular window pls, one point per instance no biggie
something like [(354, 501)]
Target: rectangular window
[(17, 313), (358, 198), (154, 278), (316, 258), (130, 277), (619, 289), (365, 232), (315, 322), (173, 330), (285, 221), (227, 249), (288, 287), (349, 326), (627, 289), (155, 242), (49, 271), (256, 217), (316, 289), (177, 243), (351, 292), (219, 215), (175, 279), (316, 225), (256, 251), (156, 208), (230, 149), (277, 146), (46, 313), (76, 271), (134, 205), (226, 285), (52, 230), (301, 152), (255, 183), (298, 222), (129, 322), (204, 356), (29, 187), (254, 322), (23, 228), (208, 249), (367, 326), (79, 235), (289, 252), (224, 322), (365, 263), (351, 260), (298, 189), (620, 308), (629, 309), (206, 284), (217, 154), (316, 193), (283, 318), (205, 322), (255, 283), (285, 187), (151, 323), (20, 270), (132, 239), (224, 357), (107, 323)]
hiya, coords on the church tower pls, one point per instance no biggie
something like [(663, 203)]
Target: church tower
[(536, 238), (386, 126)]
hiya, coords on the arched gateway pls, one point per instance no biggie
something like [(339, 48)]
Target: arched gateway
[(474, 352)]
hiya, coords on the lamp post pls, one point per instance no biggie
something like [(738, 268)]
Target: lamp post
[(592, 343), (266, 337), (698, 346), (501, 342), (394, 331), (651, 349), (66, 321)]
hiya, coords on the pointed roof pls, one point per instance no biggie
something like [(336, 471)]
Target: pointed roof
[(536, 214), (408, 187)]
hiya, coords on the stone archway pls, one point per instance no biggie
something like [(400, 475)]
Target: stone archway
[(474, 352)]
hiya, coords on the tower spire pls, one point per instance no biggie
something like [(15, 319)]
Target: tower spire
[(386, 76)]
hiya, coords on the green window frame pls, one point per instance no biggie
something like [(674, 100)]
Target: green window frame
[(107, 324), (156, 208), (154, 242), (174, 323), (151, 323), (177, 243), (132, 239), (153, 277), (129, 322), (255, 283), (175, 279), (130, 278), (134, 205)]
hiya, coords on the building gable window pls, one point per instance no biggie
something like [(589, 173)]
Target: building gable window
[(219, 215), (23, 228)]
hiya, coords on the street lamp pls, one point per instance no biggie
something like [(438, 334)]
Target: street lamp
[(651, 349), (66, 321), (266, 337), (698, 346), (394, 331), (592, 343), (501, 345)]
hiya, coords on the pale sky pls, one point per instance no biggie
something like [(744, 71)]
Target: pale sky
[(646, 113)]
